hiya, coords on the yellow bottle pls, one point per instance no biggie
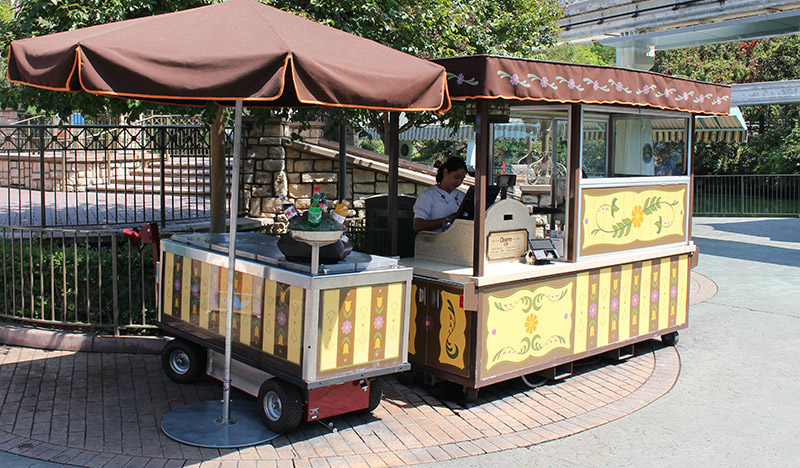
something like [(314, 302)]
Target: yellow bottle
[(341, 211)]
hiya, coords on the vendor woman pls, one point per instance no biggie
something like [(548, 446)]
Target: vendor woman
[(437, 205)]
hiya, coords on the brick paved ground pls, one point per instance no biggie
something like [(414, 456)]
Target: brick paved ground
[(104, 410)]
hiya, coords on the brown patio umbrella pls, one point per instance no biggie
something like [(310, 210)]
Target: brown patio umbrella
[(239, 51)]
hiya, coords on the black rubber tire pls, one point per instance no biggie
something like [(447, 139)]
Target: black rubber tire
[(280, 405), (375, 395), (670, 339), (182, 361)]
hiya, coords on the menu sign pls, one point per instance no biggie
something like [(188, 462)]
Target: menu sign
[(507, 244)]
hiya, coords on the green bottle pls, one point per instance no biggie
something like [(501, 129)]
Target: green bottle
[(315, 210)]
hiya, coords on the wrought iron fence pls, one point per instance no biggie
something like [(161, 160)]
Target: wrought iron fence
[(747, 195), (83, 175), (77, 278)]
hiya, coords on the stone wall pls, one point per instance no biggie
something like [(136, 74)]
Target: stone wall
[(274, 166)]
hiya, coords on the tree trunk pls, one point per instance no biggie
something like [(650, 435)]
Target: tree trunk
[(218, 185)]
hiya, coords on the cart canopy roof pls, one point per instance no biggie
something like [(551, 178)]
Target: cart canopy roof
[(236, 50), (518, 79)]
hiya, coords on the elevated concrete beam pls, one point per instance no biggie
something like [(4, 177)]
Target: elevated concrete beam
[(773, 92)]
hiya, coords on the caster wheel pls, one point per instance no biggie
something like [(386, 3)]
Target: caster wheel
[(470, 394), (182, 361), (375, 395), (670, 339), (280, 404)]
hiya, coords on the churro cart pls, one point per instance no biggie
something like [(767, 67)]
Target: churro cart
[(606, 266), (308, 339)]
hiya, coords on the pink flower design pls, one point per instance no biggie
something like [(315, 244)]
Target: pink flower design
[(716, 101), (673, 291), (428, 322), (347, 327), (614, 304), (571, 84), (543, 82), (460, 78), (646, 90), (635, 300), (378, 323), (592, 310), (619, 86), (701, 98), (654, 295), (595, 85), (667, 92), (282, 318), (514, 79), (685, 96)]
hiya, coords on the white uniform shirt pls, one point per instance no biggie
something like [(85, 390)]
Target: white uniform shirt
[(435, 203)]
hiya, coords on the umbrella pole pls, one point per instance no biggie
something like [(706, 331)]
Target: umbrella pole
[(226, 419)]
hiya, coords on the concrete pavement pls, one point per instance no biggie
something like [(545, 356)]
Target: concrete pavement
[(733, 405)]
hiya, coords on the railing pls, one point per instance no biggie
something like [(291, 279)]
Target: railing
[(747, 195), (77, 278), (84, 175)]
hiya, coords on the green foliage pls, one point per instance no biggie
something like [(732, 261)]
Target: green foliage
[(592, 54), (72, 282), (773, 146)]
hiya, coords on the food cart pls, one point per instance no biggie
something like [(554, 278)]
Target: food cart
[(501, 296), (308, 340)]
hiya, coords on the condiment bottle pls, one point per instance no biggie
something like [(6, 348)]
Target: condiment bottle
[(341, 211), (315, 210)]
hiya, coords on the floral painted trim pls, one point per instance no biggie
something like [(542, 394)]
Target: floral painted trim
[(591, 84), (623, 227)]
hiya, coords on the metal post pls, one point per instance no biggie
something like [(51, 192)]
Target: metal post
[(114, 281), (741, 195), (394, 168), (226, 419), (162, 143), (342, 162), (43, 206)]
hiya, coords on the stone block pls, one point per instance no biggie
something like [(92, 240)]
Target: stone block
[(259, 152), (273, 165), (262, 178), (364, 189), (303, 165), (262, 191), (323, 165), (280, 185), (254, 207), (382, 187), (270, 141), (319, 177), (277, 152), (300, 191), (293, 178), (363, 177), (381, 176), (271, 205), (407, 188)]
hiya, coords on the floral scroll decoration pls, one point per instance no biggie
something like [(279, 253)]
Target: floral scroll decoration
[(622, 227), (461, 79), (528, 306), (596, 85)]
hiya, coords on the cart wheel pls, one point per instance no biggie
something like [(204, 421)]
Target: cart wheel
[(182, 361), (670, 339), (281, 405), (375, 395)]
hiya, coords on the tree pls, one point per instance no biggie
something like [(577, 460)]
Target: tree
[(435, 29), (774, 130)]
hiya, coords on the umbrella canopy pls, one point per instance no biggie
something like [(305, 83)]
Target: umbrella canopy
[(236, 50)]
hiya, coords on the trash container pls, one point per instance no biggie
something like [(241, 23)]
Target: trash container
[(377, 235)]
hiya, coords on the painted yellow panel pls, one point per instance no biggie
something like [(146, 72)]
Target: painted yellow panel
[(268, 314), (644, 299), (581, 306), (528, 323), (205, 291), (294, 342), (452, 333), (186, 288), (631, 217), (412, 324), (683, 293), (362, 324), (329, 336), (625, 279), (394, 320), (663, 294), (168, 287), (603, 311)]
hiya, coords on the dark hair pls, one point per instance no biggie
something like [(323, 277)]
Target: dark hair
[(452, 164)]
